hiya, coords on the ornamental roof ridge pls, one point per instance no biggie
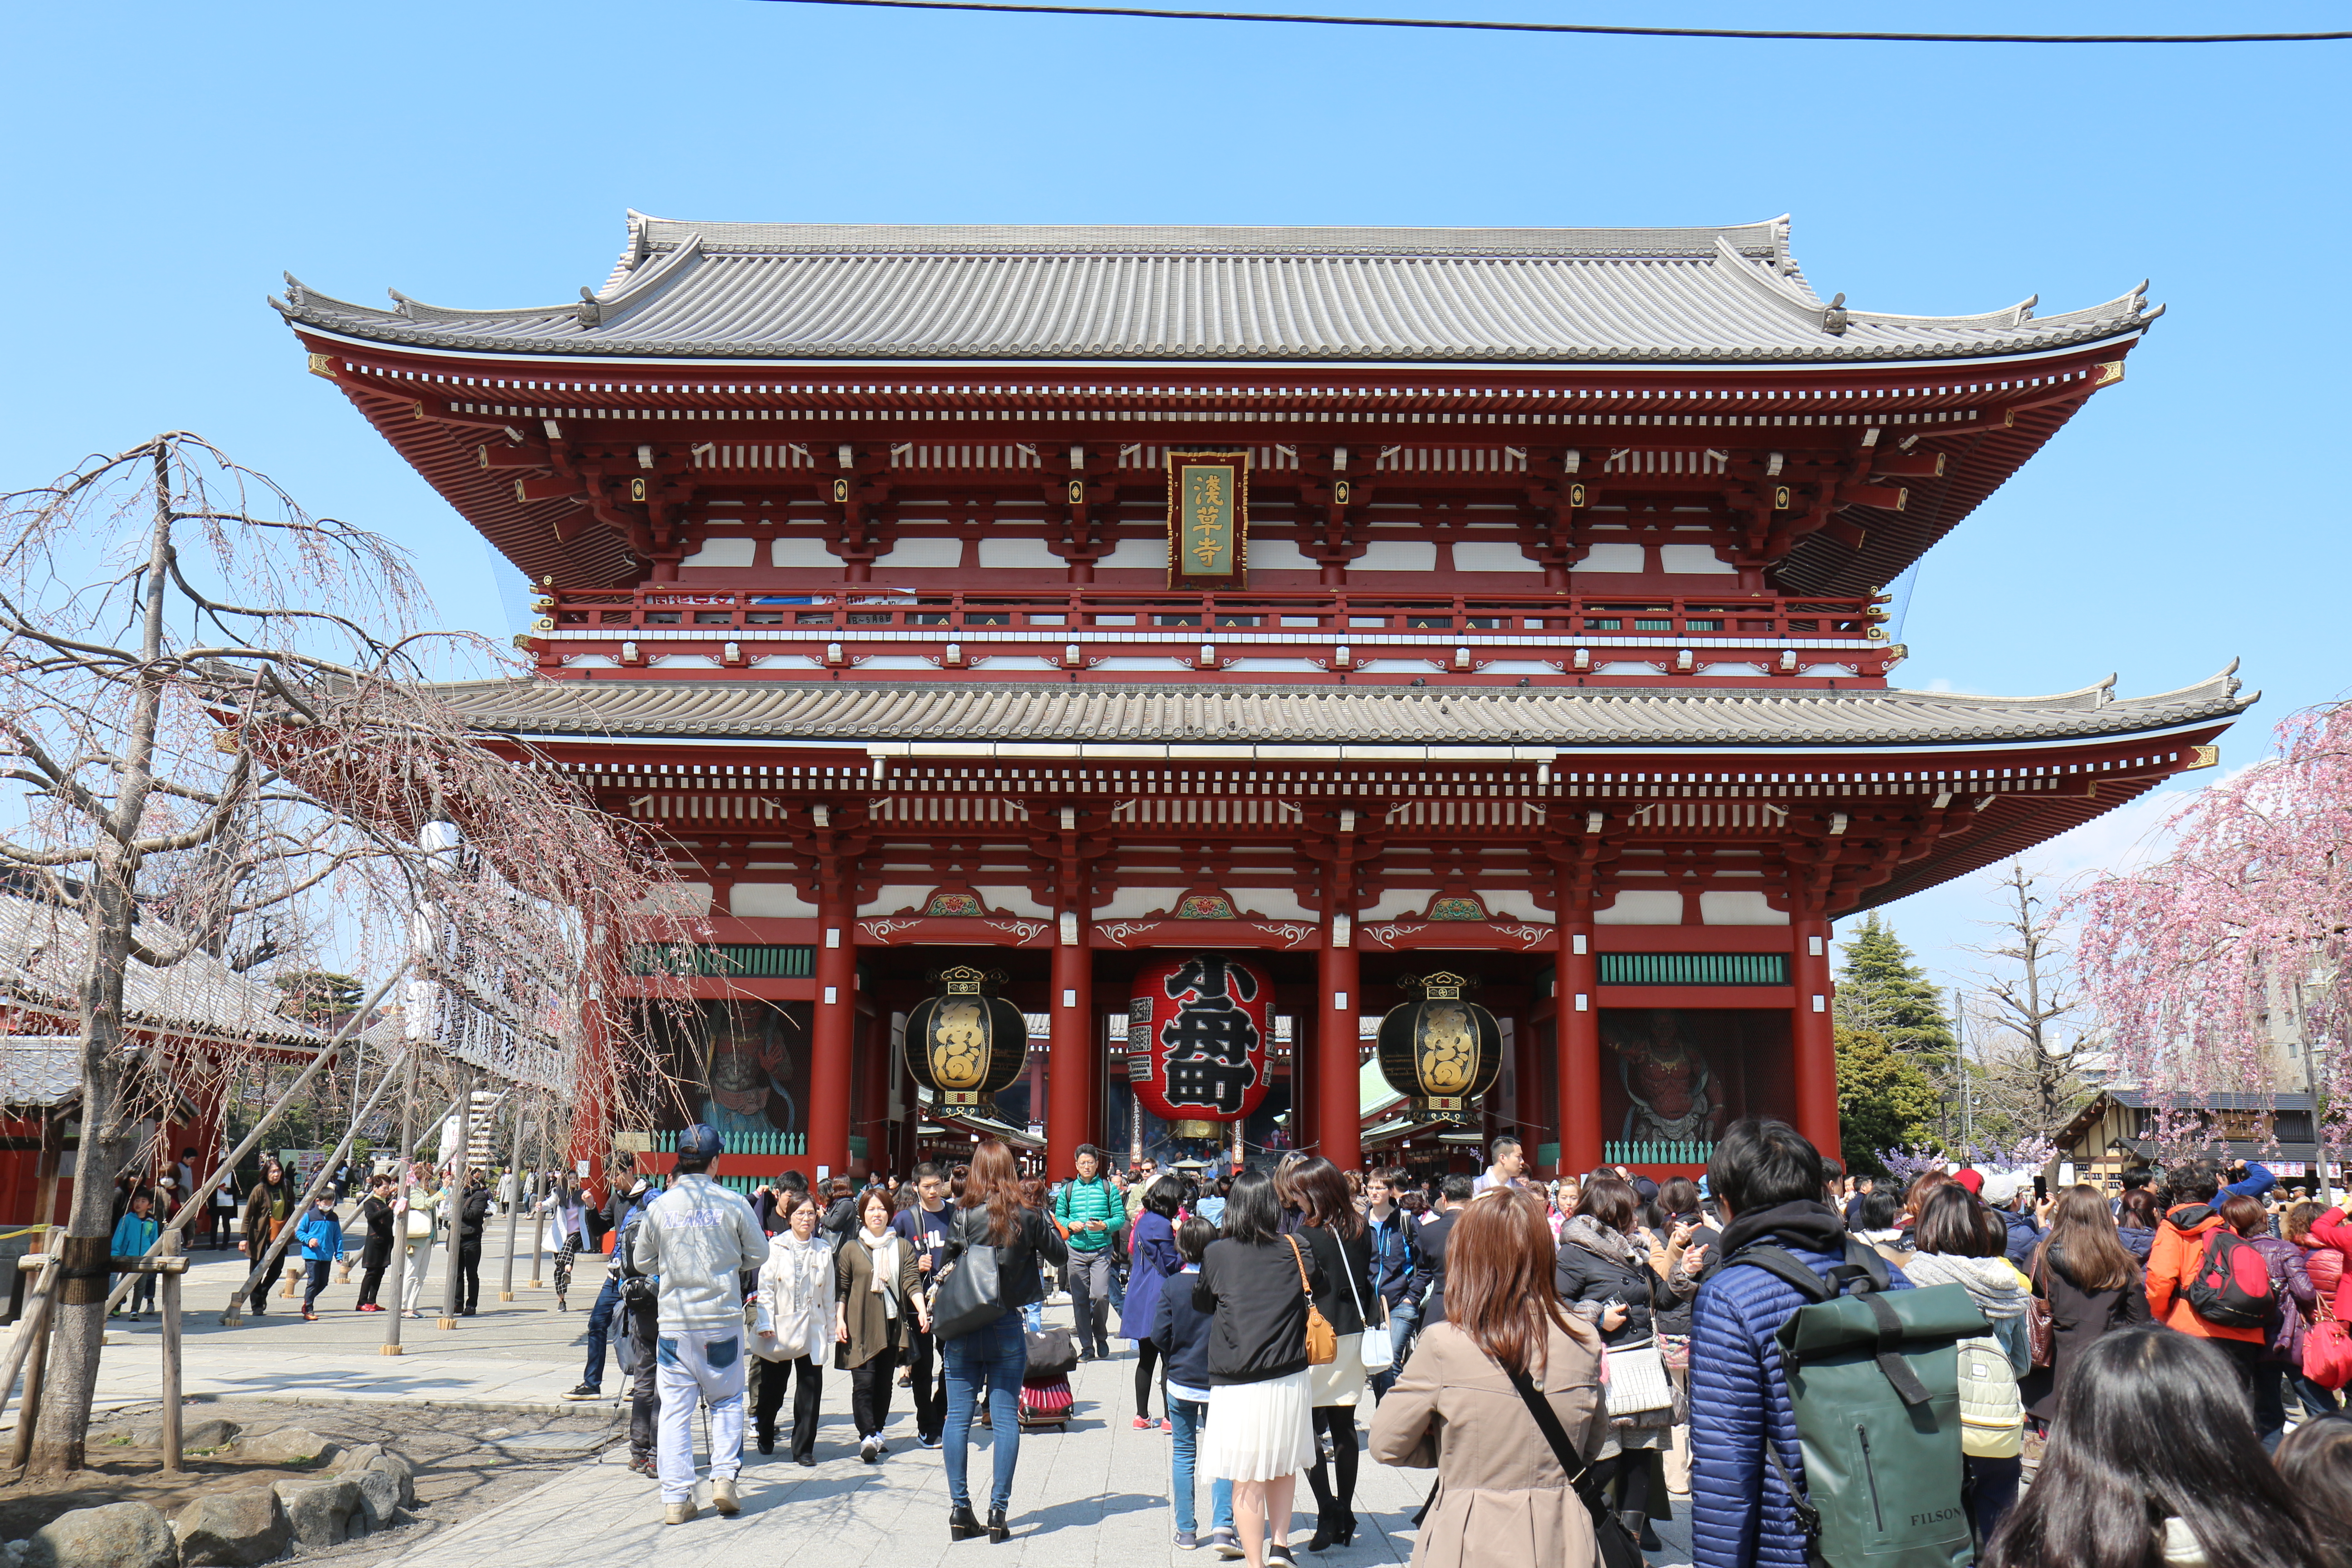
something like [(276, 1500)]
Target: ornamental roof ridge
[(650, 236), (849, 292)]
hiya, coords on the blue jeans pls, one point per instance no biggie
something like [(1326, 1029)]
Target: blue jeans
[(992, 1358), (1185, 1419), (600, 1326)]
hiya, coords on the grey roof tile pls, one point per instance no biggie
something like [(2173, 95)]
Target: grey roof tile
[(947, 713), (857, 291)]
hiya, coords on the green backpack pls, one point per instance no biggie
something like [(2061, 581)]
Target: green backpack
[(1874, 1377)]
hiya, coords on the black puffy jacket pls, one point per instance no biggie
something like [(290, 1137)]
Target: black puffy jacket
[(1582, 1273)]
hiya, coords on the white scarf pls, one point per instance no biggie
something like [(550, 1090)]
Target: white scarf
[(882, 1252)]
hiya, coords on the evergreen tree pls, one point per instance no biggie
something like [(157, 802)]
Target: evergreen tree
[(1882, 991), (1885, 1101)]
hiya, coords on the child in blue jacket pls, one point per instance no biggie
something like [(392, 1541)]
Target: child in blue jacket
[(321, 1235), (1181, 1332), (134, 1233)]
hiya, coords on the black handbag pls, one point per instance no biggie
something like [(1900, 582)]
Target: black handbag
[(970, 1293), (1619, 1549)]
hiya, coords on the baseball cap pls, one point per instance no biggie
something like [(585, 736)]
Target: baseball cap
[(1970, 1178)]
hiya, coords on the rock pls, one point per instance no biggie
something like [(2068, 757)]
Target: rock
[(287, 1445), (195, 1436), (495, 1433), (403, 1473), (321, 1512), (235, 1529), (118, 1535), (359, 1459), (379, 1498)]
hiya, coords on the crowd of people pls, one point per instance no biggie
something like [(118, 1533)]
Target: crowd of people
[(1575, 1359)]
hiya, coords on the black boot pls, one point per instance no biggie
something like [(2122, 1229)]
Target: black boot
[(998, 1531), (962, 1525)]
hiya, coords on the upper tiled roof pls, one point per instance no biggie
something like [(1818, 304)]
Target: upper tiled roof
[(896, 714), (872, 292)]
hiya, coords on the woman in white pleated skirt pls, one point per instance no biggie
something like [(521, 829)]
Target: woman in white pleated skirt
[(1256, 1283)]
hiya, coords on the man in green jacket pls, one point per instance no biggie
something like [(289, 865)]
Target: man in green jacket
[(1090, 1210)]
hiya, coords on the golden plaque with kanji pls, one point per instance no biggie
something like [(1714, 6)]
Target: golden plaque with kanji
[(1208, 518)]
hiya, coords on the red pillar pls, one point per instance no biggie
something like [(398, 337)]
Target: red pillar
[(1074, 1084), (1814, 1043), (874, 1070), (831, 1039), (1577, 1028), (1527, 1114), (1338, 1114)]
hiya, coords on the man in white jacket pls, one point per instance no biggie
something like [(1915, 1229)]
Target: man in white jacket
[(698, 1238)]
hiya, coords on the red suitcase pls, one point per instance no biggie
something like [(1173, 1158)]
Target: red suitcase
[(1046, 1405)]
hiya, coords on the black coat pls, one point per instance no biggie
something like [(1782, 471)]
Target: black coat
[(1580, 1274), (1034, 1237), (2077, 1317), (1337, 1260), (1429, 1250)]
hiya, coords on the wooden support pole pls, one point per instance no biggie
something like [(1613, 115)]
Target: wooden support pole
[(457, 1167), (538, 1212), (171, 1338), (1812, 1038), (32, 1329), (1074, 1083), (1335, 1043), (1576, 1023), (514, 1209), (832, 1071), (392, 1314), (36, 1363)]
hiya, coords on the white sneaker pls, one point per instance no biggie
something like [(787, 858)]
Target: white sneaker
[(722, 1496), (678, 1512)]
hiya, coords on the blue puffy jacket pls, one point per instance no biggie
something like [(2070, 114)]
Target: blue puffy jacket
[(1740, 1514)]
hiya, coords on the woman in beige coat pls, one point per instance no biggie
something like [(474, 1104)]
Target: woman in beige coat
[(1502, 1498)]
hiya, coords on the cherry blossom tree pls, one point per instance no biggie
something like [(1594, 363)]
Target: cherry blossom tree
[(2188, 958), (222, 738)]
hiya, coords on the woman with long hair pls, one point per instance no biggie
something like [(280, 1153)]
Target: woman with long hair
[(2091, 1283), (268, 1209), (795, 1309), (1959, 1242), (2137, 1214), (2293, 1302), (1255, 1282), (1342, 1246), (1605, 1272), (1150, 1261), (1502, 1501), (2152, 1463), (2317, 1462), (989, 1360)]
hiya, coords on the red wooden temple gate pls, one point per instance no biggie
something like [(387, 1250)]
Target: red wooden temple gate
[(1534, 630)]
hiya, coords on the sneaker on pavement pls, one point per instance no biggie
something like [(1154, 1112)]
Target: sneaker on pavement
[(722, 1496), (870, 1450), (1226, 1544), (585, 1391), (1186, 1541), (930, 1440), (643, 1464), (678, 1512)]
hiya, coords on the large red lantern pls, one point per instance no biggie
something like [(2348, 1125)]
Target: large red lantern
[(1197, 1031)]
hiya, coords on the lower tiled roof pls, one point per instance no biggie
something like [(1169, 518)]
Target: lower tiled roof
[(1537, 719)]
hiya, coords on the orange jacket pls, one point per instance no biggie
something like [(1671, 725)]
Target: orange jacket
[(2172, 1261)]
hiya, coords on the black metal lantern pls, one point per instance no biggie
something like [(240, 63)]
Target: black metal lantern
[(1442, 1051), (964, 1044)]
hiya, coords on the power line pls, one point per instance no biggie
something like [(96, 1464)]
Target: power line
[(1588, 28)]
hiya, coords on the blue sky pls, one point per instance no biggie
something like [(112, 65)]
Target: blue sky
[(165, 163)]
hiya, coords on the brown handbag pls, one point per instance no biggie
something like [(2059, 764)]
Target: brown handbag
[(1322, 1344), (2038, 1329)]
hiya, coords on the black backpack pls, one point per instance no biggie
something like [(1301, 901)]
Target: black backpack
[(1874, 1378)]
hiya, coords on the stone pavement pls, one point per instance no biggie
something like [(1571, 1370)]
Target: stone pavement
[(1096, 1494)]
